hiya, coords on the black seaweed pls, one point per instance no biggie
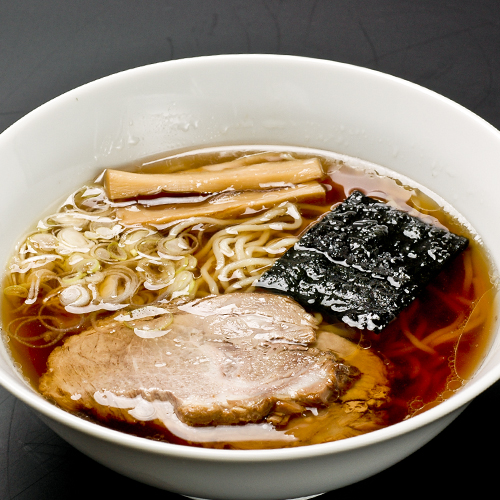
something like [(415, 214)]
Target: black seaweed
[(363, 262)]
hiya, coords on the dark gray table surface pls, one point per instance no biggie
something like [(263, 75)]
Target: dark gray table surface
[(50, 46)]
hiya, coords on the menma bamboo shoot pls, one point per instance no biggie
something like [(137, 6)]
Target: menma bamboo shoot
[(121, 184), (222, 205)]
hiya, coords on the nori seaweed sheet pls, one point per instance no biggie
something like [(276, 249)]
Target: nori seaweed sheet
[(363, 262)]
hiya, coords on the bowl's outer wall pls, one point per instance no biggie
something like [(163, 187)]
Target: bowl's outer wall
[(254, 479), (252, 100)]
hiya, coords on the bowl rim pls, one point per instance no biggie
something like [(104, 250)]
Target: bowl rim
[(459, 400)]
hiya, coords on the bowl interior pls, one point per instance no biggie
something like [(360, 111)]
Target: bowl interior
[(253, 99)]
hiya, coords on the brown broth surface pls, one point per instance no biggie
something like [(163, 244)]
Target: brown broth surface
[(431, 349)]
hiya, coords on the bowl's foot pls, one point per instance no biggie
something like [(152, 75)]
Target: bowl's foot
[(299, 498)]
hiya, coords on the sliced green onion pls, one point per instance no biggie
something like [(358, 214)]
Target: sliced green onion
[(16, 291), (116, 252), (72, 278)]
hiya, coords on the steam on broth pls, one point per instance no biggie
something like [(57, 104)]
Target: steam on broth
[(142, 260)]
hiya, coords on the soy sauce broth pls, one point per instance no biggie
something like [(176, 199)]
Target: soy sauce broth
[(432, 348)]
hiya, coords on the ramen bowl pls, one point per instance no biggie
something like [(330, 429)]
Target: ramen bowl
[(265, 100)]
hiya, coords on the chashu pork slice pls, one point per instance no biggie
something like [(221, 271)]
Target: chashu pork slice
[(219, 360)]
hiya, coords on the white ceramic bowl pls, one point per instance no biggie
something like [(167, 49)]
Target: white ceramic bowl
[(250, 99)]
